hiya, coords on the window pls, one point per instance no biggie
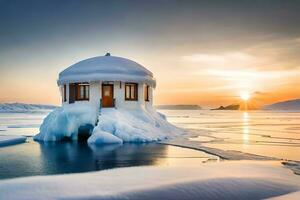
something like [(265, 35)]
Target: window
[(65, 93), (146, 92), (131, 91), (82, 91)]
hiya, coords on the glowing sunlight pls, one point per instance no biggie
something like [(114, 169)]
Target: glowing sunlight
[(245, 96)]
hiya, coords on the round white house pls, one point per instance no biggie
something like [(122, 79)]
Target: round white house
[(106, 99), (107, 81)]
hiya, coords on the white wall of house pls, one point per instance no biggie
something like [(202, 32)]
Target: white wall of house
[(119, 96), (95, 94)]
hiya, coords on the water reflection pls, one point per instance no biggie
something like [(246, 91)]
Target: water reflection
[(245, 128), (71, 157), (267, 133)]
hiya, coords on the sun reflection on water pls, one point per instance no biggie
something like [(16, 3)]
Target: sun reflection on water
[(245, 129)]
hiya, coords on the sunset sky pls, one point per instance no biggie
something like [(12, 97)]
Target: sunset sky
[(201, 52)]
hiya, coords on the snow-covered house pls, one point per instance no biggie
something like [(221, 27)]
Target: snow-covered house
[(107, 81), (113, 97)]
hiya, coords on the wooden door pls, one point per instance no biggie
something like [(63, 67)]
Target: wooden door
[(107, 95)]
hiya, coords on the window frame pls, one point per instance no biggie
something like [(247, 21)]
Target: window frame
[(131, 85), (146, 93), (65, 93), (85, 90)]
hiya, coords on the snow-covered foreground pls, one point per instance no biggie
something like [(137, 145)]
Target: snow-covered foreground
[(6, 140), (225, 180), (114, 125)]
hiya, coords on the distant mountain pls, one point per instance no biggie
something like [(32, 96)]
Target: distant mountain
[(284, 105), (178, 107), (22, 107), (230, 107)]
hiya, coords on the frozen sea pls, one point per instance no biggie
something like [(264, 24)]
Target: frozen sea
[(163, 171), (267, 133), (37, 158)]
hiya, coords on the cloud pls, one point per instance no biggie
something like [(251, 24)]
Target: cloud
[(217, 57), (261, 93), (220, 60), (271, 54)]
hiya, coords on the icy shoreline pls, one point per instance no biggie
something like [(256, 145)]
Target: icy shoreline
[(6, 140), (251, 179), (24, 108), (185, 142)]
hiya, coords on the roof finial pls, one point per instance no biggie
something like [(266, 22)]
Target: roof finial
[(107, 54)]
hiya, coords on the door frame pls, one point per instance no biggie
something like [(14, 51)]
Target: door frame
[(102, 92)]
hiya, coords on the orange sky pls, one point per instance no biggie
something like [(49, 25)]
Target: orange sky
[(205, 79), (200, 52)]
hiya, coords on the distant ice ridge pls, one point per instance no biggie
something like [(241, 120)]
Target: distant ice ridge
[(22, 107), (6, 140), (114, 125), (284, 105)]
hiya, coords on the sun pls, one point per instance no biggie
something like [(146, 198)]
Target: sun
[(245, 96)]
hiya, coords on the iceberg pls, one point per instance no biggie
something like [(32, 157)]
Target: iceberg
[(111, 125), (64, 122)]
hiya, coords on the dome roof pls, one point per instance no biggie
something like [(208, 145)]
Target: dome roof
[(106, 68)]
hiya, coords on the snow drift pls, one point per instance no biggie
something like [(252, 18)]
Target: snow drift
[(102, 137), (138, 125), (114, 125)]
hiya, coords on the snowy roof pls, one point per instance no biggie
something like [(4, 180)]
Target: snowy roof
[(106, 68)]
